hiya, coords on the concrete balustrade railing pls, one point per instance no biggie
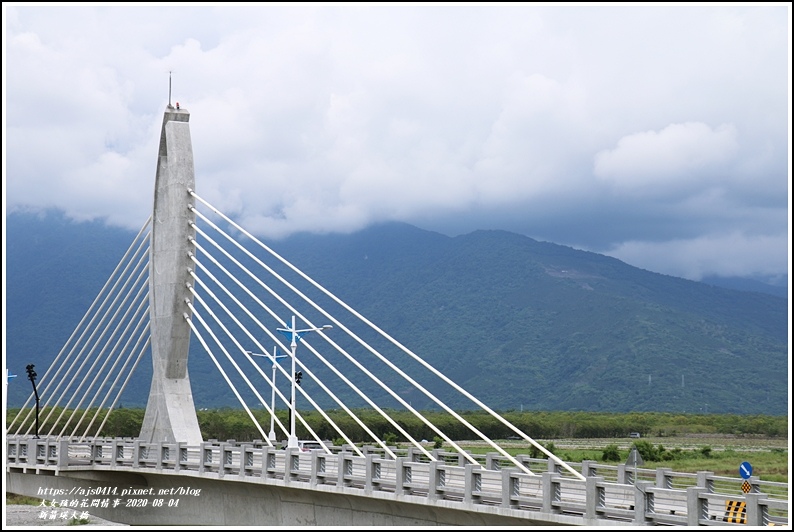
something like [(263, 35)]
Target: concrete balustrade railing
[(609, 492), (42, 452)]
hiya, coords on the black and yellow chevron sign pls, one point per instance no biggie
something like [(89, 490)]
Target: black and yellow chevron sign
[(735, 512)]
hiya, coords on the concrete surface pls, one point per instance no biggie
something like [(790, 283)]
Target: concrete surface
[(26, 516)]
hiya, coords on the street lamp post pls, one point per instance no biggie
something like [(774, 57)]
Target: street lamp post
[(294, 335), (32, 376), (273, 358)]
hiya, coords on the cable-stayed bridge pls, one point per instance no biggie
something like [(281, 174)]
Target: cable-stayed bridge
[(282, 342)]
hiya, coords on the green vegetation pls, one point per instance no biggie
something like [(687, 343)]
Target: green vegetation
[(77, 521), (610, 454), (769, 463), (13, 498), (228, 424), (121, 421)]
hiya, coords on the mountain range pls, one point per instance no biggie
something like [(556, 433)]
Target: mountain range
[(518, 323)]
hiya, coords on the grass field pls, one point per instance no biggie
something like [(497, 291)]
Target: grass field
[(719, 454)]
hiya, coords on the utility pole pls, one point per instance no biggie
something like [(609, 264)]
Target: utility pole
[(294, 335)]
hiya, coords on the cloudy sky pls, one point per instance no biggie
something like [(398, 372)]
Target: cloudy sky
[(655, 134)]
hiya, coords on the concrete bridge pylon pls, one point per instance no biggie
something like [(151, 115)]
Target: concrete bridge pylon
[(170, 412)]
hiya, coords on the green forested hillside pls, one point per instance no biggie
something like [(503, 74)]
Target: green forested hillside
[(536, 325), (518, 323)]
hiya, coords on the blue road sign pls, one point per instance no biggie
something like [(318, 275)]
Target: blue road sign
[(745, 470)]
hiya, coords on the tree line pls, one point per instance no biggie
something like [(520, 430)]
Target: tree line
[(235, 424)]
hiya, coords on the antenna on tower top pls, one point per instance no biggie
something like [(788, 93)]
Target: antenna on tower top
[(169, 88)]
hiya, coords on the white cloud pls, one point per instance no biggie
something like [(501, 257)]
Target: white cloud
[(638, 121), (734, 254), (678, 156)]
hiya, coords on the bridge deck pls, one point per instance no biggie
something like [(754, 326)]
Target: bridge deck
[(486, 488)]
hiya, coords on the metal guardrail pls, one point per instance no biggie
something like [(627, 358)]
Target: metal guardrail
[(616, 493)]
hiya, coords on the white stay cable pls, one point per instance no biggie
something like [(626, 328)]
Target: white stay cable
[(58, 367), (261, 399), (394, 342), (278, 341), (394, 394), (101, 355), (88, 312), (108, 306), (114, 305), (252, 338), (342, 351), (127, 379), (217, 364), (274, 315), (118, 352), (259, 346), (141, 326)]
